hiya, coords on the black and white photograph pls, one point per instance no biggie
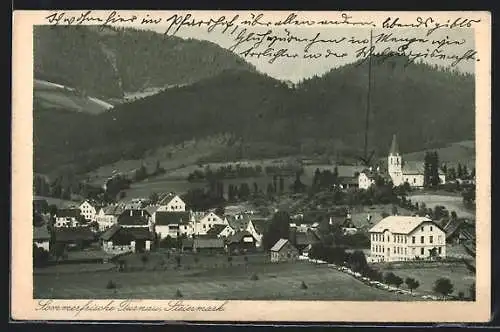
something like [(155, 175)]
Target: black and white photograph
[(265, 156)]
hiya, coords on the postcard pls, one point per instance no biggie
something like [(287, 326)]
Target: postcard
[(257, 166)]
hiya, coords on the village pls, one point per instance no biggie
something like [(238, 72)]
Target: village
[(372, 235)]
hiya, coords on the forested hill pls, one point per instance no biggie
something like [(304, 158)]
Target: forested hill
[(107, 63), (426, 107)]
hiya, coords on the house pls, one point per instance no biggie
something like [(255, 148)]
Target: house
[(171, 203), (460, 231), (173, 224), (283, 251), (347, 182), (404, 238), (303, 241), (69, 217), (206, 222), (207, 245), (406, 172), (365, 180), (135, 218), (220, 231), (241, 242), (257, 227), (74, 236), (41, 237), (238, 222), (89, 210), (108, 216), (118, 239)]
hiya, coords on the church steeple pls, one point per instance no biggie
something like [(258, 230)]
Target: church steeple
[(394, 146)]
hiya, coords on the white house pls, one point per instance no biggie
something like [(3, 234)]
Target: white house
[(171, 203), (404, 238), (67, 218), (365, 180), (257, 227), (89, 210), (207, 221), (406, 172), (173, 224), (108, 216)]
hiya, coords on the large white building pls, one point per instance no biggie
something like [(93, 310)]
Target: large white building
[(404, 238)]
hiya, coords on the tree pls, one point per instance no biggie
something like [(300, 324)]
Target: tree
[(443, 286), (434, 169), (394, 210), (275, 183), (281, 184), (316, 179), (255, 188), (298, 186), (270, 190), (427, 169), (412, 284), (279, 228), (398, 281), (244, 191), (357, 261)]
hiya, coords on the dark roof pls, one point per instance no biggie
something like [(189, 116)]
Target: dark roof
[(137, 233), (208, 243), (238, 237), (169, 218), (216, 229), (239, 223), (166, 198), (114, 210), (73, 234), (41, 233), (260, 225), (138, 217), (68, 213), (394, 145), (306, 238)]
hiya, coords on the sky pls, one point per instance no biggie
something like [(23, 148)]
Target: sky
[(297, 69)]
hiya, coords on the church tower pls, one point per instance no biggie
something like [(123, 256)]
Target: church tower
[(394, 163)]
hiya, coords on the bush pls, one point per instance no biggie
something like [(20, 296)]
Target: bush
[(110, 285), (443, 286), (178, 293), (461, 295), (303, 285), (254, 277)]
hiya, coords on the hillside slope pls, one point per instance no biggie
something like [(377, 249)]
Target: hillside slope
[(111, 62), (426, 107)]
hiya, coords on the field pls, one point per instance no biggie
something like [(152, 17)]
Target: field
[(275, 282), (459, 152), (58, 96), (451, 203), (460, 277)]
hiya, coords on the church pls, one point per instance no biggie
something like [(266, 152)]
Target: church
[(410, 172)]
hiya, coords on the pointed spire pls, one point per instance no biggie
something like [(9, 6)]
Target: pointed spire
[(394, 146)]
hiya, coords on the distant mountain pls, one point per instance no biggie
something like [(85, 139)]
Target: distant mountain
[(425, 106), (111, 62)]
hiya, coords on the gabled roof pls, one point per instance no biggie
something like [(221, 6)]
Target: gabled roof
[(172, 218), (137, 233), (73, 234), (208, 243), (216, 229), (305, 238), (133, 217), (166, 198), (41, 233), (239, 223), (114, 210), (279, 244), (238, 237), (413, 167), (68, 213), (260, 225), (399, 224)]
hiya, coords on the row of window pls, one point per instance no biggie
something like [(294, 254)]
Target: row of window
[(401, 250), (422, 239)]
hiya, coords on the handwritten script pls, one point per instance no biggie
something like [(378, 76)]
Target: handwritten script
[(126, 306), (275, 38)]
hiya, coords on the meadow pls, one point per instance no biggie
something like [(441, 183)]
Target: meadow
[(451, 203), (274, 281)]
